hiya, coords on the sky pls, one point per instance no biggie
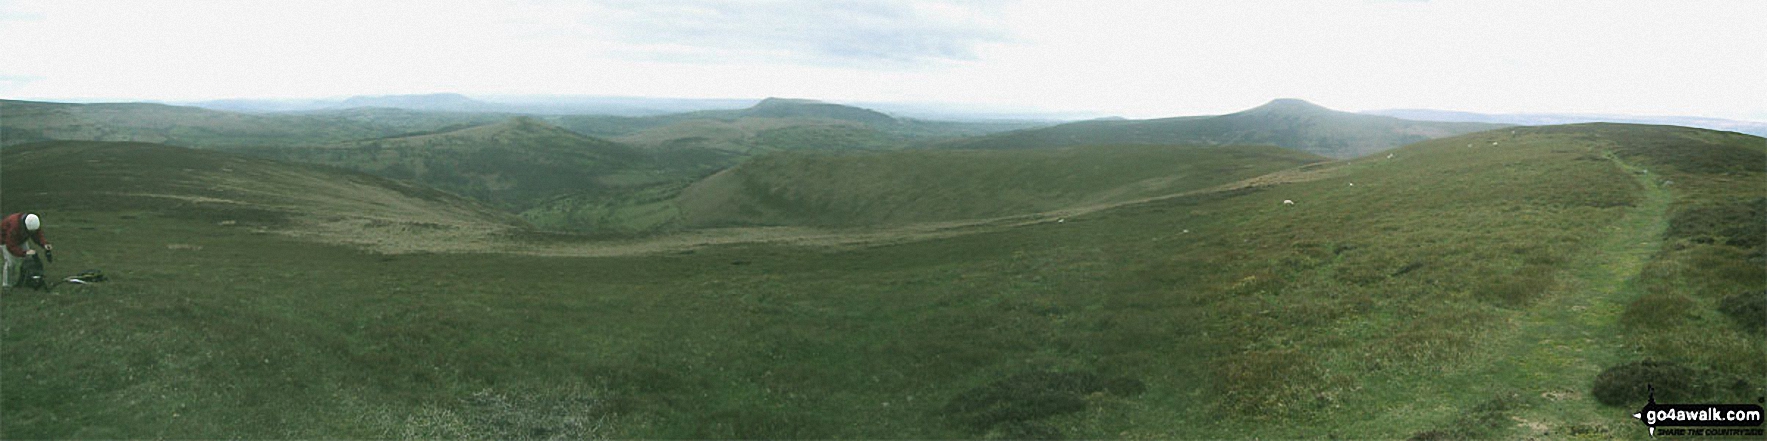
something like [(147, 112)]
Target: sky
[(1137, 59)]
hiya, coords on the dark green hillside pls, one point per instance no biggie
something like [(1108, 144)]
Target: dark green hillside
[(27, 121), (1458, 290), (514, 164), (1290, 123), (940, 185), (760, 135)]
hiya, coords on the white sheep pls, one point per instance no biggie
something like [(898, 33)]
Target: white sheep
[(1389, 156), (1287, 202)]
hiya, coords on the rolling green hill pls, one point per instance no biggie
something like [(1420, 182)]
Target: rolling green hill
[(1486, 285), (940, 185), (1290, 123), (28, 121), (777, 124), (515, 164)]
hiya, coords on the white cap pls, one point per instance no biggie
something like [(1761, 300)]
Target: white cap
[(31, 222)]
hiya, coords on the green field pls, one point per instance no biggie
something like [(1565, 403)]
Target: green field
[(1489, 285)]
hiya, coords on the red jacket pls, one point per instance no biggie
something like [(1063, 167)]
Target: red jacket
[(12, 229)]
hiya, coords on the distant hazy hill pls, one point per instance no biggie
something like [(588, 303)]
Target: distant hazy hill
[(512, 163), (1290, 123), (440, 102), (534, 104), (1542, 119), (798, 108), (206, 188), (774, 124), (936, 185), (28, 121)]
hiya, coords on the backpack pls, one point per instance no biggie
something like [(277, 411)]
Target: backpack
[(31, 274)]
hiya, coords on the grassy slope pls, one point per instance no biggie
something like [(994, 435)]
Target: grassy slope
[(211, 188), (1420, 299), (931, 185), (1288, 123)]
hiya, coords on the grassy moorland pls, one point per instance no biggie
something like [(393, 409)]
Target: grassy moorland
[(901, 187), (1486, 285)]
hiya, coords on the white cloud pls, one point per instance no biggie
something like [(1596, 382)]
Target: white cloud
[(1134, 58), (860, 33)]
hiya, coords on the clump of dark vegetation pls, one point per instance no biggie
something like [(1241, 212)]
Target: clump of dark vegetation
[(1013, 406), (1486, 420), (1735, 222), (1630, 383), (1748, 309), (1519, 289)]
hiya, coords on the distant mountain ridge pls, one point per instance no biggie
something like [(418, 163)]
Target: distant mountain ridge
[(1291, 123), (439, 102), (31, 121), (1542, 119), (453, 102), (778, 124), (801, 108)]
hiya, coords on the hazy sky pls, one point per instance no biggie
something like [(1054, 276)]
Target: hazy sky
[(1129, 58)]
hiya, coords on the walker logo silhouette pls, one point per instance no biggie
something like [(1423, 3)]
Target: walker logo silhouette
[(1700, 419)]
